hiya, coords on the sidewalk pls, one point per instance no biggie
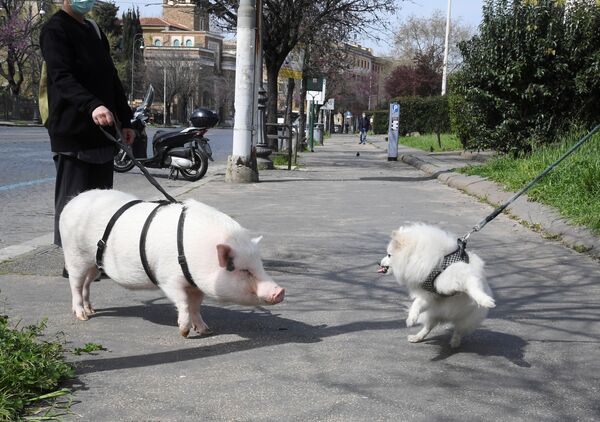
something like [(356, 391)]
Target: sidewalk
[(336, 348), (539, 217)]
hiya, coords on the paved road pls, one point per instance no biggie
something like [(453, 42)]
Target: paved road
[(336, 348), (27, 180)]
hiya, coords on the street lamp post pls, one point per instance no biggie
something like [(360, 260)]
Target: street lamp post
[(445, 69), (136, 37)]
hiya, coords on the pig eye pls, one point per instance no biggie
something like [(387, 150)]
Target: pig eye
[(230, 267)]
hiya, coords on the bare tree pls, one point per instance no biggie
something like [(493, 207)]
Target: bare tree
[(181, 75), (423, 37), (20, 23), (286, 23)]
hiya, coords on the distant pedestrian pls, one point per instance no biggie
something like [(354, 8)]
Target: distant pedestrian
[(84, 91), (364, 124)]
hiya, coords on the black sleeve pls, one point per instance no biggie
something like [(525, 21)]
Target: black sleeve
[(123, 111), (60, 63)]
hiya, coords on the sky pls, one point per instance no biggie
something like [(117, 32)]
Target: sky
[(468, 11)]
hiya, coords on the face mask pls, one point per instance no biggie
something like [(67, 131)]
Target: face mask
[(82, 6)]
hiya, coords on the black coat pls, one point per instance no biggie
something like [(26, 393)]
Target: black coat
[(81, 77), (364, 123)]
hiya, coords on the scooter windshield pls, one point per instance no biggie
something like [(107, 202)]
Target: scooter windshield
[(149, 97)]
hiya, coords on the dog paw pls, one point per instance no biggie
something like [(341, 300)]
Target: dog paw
[(414, 338), (486, 302)]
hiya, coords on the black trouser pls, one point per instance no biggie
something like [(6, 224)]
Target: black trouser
[(74, 176)]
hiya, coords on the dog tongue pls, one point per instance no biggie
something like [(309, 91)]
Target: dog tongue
[(382, 270)]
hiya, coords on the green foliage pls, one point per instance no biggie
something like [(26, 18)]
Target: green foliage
[(88, 348), (573, 187), (380, 121), (29, 368), (423, 114), (533, 69)]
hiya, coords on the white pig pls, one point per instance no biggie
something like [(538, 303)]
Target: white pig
[(211, 240)]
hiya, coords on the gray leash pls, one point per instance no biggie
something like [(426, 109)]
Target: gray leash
[(501, 208)]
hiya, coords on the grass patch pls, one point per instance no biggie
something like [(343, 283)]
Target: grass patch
[(30, 371), (429, 142), (573, 187)]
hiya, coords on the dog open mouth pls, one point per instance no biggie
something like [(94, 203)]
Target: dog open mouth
[(383, 269)]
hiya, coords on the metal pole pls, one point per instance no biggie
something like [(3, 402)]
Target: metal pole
[(244, 79), (445, 71), (164, 96), (132, 61)]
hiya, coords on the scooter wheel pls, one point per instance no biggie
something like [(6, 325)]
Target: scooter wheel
[(122, 163), (198, 171)]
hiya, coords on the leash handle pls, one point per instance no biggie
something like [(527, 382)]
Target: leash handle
[(548, 169), (129, 153)]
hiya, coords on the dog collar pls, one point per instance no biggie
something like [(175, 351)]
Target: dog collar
[(459, 255)]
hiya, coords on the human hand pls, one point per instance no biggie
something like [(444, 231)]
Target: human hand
[(128, 135), (102, 116)]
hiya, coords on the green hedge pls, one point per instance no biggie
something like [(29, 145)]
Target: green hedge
[(380, 121), (417, 114)]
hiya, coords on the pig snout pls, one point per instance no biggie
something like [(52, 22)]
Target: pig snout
[(270, 292), (277, 296)]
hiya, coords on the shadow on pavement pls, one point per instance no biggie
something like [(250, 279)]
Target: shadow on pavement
[(259, 328), (484, 343)]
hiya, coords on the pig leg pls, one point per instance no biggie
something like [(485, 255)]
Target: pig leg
[(87, 306), (79, 293), (195, 297), (179, 296)]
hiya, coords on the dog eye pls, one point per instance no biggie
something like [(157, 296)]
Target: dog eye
[(389, 255)]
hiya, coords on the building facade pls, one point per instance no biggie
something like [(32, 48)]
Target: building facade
[(197, 65)]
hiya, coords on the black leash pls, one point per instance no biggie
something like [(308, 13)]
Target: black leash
[(129, 153), (548, 169)]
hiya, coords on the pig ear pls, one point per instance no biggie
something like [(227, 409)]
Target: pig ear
[(256, 240), (224, 255)]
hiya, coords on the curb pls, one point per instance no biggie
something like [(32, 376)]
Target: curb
[(538, 217)]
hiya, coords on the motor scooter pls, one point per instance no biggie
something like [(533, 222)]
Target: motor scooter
[(184, 151)]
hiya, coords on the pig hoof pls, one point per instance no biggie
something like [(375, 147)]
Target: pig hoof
[(204, 332), (80, 315), (184, 332)]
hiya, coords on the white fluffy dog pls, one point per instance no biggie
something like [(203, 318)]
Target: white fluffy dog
[(459, 294)]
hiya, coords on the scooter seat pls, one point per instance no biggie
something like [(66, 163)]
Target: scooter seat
[(161, 135)]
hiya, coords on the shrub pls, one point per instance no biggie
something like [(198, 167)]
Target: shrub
[(28, 367), (380, 121), (529, 75), (423, 114)]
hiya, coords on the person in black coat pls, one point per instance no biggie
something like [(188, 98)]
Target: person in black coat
[(364, 124), (84, 93)]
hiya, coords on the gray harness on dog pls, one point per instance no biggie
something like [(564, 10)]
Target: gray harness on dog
[(459, 255), (180, 251)]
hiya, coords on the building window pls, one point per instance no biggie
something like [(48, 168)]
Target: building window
[(176, 43), (157, 42), (189, 42)]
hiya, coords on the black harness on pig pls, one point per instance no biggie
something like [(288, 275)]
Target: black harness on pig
[(180, 249)]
